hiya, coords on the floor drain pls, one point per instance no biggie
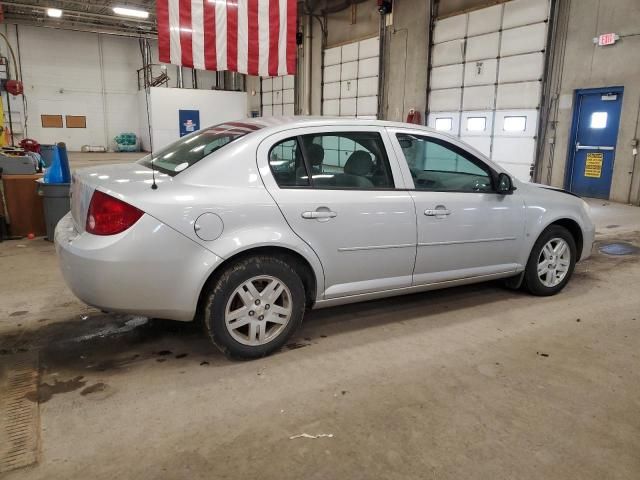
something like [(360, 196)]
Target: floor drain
[(619, 248), (19, 419)]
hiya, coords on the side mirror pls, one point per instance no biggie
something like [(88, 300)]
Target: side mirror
[(504, 185)]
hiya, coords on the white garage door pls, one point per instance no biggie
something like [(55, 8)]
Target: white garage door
[(350, 80), (278, 96), (486, 80)]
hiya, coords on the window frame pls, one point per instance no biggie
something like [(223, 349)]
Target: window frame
[(337, 133), (493, 174)]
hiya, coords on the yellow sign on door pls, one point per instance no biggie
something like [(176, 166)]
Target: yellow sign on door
[(593, 165)]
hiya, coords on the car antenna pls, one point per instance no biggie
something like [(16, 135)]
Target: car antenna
[(154, 186)]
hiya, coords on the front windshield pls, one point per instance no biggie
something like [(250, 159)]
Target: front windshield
[(192, 148)]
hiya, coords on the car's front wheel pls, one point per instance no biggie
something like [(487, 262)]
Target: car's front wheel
[(254, 307), (551, 262)]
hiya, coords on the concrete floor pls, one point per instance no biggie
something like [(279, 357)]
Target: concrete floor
[(469, 383)]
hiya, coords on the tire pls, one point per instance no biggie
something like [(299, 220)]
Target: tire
[(254, 307), (555, 269)]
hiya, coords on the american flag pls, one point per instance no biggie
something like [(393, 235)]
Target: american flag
[(257, 37)]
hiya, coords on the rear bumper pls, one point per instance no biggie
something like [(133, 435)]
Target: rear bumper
[(150, 269)]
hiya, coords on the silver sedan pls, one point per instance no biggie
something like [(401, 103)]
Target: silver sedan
[(247, 224)]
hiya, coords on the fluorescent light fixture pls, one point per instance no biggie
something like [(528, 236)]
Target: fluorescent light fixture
[(54, 12), (130, 12)]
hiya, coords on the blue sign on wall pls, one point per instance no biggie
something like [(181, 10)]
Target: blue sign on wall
[(189, 121)]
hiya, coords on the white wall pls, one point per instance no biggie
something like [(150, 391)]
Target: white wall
[(215, 107), (76, 73)]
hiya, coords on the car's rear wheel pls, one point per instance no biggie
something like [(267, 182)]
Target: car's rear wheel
[(551, 262), (254, 307)]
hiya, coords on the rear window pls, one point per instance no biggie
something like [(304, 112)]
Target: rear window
[(192, 148)]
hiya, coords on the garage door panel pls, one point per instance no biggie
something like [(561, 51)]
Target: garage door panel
[(331, 90), (480, 73), (348, 107), (450, 28), (369, 48), (446, 77), (478, 98), (267, 84), (288, 96), (332, 73), (519, 95), (367, 105), (348, 88), (331, 107), (288, 81), (524, 12), (448, 122), (350, 52), (332, 56), (277, 110), (520, 68), (527, 39), (368, 86), (518, 151), (349, 71), (267, 98), (267, 111), (520, 171), (471, 120), (482, 144), (516, 123), (288, 109), (448, 53), (368, 67), (485, 20), (445, 100), (277, 83), (483, 47)]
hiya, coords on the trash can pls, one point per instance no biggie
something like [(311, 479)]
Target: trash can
[(56, 204)]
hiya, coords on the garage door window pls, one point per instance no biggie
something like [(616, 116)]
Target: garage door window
[(438, 166)]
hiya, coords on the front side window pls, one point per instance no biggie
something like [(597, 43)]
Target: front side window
[(344, 160), (436, 165)]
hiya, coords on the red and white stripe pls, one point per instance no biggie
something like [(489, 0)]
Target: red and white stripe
[(257, 37)]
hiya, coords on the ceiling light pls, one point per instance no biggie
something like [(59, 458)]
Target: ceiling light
[(130, 12), (54, 12)]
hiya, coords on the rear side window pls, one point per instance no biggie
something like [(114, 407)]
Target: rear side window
[(344, 160), (192, 148)]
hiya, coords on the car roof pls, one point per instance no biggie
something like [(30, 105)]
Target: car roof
[(275, 124)]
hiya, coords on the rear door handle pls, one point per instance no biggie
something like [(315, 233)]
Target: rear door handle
[(322, 214), (437, 212)]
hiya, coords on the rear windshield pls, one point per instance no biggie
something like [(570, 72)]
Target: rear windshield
[(192, 148)]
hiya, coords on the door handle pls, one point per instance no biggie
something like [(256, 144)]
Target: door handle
[(437, 212), (319, 215), (592, 147)]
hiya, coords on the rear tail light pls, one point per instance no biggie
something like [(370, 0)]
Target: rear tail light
[(108, 215)]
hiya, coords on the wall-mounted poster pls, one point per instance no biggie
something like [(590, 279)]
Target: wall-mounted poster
[(189, 121)]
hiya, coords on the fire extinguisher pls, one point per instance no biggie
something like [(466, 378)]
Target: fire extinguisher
[(414, 117)]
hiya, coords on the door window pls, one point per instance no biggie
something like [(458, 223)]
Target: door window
[(344, 160), (287, 165), (436, 165)]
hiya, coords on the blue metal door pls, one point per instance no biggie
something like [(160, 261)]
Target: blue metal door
[(592, 146)]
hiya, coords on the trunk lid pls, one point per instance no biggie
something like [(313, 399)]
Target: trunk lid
[(124, 181)]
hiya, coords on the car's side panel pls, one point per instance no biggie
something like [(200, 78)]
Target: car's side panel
[(369, 245)]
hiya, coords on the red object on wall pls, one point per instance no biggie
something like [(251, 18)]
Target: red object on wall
[(14, 87), (30, 145), (414, 117)]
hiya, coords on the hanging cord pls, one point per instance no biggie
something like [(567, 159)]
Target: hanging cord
[(13, 56)]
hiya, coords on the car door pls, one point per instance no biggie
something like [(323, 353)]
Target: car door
[(341, 190), (465, 228)]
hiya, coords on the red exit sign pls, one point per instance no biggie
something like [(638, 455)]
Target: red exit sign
[(607, 39)]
